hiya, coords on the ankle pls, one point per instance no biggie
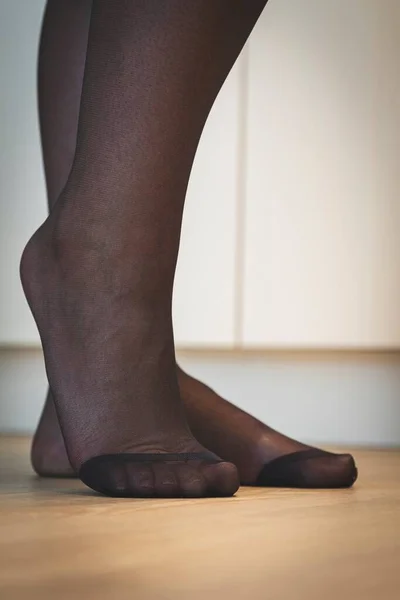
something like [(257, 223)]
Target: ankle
[(69, 252)]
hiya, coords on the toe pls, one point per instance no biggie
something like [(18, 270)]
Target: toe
[(329, 471), (166, 482), (222, 478), (310, 469), (191, 480), (112, 476), (117, 479), (125, 476), (101, 476), (140, 480), (346, 470)]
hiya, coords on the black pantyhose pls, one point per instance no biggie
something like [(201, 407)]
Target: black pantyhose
[(232, 434), (98, 274)]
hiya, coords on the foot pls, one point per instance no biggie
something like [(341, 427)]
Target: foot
[(49, 456), (255, 448), (262, 455), (109, 355)]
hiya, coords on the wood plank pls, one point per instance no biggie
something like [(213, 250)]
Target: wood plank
[(60, 540)]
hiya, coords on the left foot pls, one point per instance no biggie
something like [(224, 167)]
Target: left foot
[(229, 432), (48, 453)]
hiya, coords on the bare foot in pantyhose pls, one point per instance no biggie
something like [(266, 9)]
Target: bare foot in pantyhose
[(262, 455), (124, 427), (230, 433), (191, 31), (98, 275)]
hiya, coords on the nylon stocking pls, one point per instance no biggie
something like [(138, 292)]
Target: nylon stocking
[(98, 274), (219, 425)]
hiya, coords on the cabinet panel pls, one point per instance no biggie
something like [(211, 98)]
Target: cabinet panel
[(204, 310), (322, 244), (22, 188), (204, 293)]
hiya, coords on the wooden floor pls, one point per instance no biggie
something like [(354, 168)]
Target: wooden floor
[(59, 540)]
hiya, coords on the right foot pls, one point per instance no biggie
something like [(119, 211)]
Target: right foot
[(109, 355)]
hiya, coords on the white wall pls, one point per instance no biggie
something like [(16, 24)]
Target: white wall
[(323, 398), (328, 397), (211, 198), (22, 189), (322, 244), (290, 234)]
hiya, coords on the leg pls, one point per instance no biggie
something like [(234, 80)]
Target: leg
[(99, 273), (219, 425), (62, 55)]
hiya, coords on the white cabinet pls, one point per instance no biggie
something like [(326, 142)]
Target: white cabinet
[(22, 189), (291, 227), (205, 294), (322, 241)]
